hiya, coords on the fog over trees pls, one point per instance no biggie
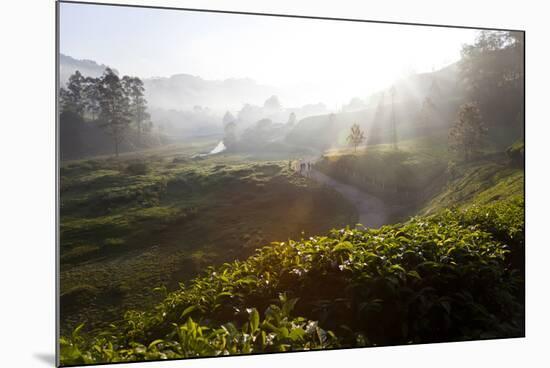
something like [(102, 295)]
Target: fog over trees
[(489, 75), (116, 106)]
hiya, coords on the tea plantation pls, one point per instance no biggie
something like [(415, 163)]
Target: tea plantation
[(446, 277)]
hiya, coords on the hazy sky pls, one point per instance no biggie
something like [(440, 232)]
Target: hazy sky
[(337, 59)]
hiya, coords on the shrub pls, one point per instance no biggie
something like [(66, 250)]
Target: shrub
[(439, 278), (505, 221), (516, 153), (278, 331), (137, 168)]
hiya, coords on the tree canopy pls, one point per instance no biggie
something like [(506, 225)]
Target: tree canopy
[(467, 134), (116, 105)]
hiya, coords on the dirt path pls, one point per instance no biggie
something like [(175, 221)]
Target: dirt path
[(373, 212)]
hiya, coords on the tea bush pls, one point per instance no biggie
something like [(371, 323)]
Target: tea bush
[(444, 277), (278, 331), (505, 221)]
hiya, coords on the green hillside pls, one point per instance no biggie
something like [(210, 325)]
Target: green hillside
[(397, 176), (481, 182), (133, 224)]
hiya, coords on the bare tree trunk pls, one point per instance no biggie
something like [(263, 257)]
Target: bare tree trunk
[(116, 138), (139, 127), (139, 133)]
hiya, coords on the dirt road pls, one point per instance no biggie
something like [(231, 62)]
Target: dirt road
[(373, 212)]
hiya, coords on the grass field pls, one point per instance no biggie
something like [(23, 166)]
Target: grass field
[(159, 218)]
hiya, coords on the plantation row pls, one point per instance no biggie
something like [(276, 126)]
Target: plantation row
[(446, 277)]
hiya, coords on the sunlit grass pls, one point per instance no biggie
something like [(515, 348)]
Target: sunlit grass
[(136, 223)]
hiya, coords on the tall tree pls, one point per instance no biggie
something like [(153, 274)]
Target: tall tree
[(72, 98), (427, 114), (291, 119), (494, 61), (230, 135), (434, 92), (492, 71), (91, 98), (133, 87), (115, 115), (228, 118), (375, 134), (356, 136), (273, 103), (467, 134)]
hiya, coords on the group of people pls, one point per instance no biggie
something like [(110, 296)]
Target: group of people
[(304, 167)]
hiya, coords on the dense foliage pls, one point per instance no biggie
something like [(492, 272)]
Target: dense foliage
[(445, 277), (466, 136), (100, 111), (492, 72)]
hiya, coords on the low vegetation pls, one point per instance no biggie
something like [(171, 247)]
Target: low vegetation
[(131, 225), (445, 277), (483, 181)]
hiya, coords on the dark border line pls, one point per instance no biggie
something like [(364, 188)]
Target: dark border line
[(286, 15), (524, 191), (58, 154)]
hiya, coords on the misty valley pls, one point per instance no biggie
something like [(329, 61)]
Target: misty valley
[(210, 217)]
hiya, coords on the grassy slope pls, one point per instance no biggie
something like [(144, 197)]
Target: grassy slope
[(404, 178), (125, 231), (479, 183), (400, 169)]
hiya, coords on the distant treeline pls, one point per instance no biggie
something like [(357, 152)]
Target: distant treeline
[(103, 115)]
